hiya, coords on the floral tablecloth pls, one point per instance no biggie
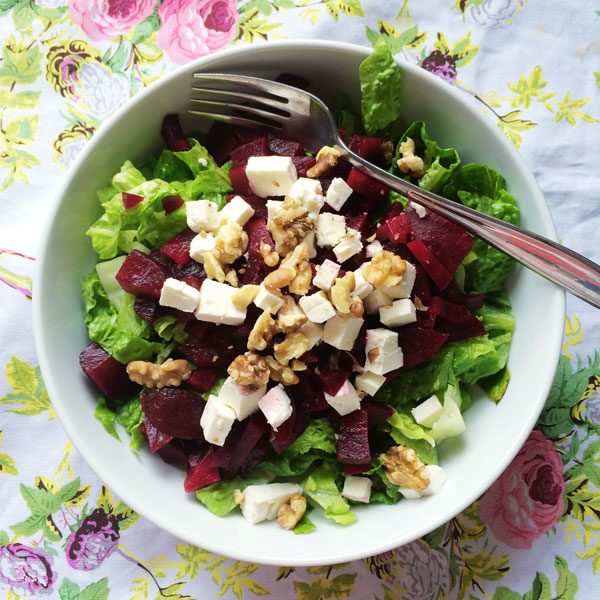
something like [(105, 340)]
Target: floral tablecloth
[(65, 66)]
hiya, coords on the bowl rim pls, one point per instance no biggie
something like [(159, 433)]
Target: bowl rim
[(90, 455)]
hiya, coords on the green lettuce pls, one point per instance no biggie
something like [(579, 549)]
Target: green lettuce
[(405, 424), (169, 167), (305, 525), (128, 415), (169, 328)]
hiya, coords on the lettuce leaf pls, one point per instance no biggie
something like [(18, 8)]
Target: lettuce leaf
[(170, 328), (128, 415), (405, 424)]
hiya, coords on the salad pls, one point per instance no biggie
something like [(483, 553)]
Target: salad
[(286, 329)]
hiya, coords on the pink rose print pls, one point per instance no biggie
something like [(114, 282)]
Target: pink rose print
[(527, 499), (193, 28), (106, 19), (27, 571)]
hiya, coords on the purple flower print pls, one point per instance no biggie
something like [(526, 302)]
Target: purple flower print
[(27, 571), (95, 540), (442, 65)]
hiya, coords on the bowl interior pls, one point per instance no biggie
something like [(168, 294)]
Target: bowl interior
[(494, 433)]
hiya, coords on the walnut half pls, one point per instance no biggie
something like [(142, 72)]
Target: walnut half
[(170, 374), (404, 468), (292, 511), (385, 269), (410, 162), (249, 370)]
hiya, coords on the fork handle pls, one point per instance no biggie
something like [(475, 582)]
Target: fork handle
[(562, 266)]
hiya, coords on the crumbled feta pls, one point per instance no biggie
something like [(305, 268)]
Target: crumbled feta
[(401, 312), (276, 406), (337, 193), (357, 488), (420, 210), (262, 502), (270, 175), (305, 189), (404, 288), (237, 210), (348, 246), (273, 208), (201, 215), (428, 412), (216, 305), (346, 400), (437, 478), (313, 332), (216, 421), (201, 244), (368, 382), (326, 274), (373, 248), (341, 333), (178, 294), (330, 229), (267, 300), (317, 307), (243, 400), (382, 351), (362, 288), (375, 300), (309, 241)]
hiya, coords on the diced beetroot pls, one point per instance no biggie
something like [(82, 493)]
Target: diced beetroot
[(368, 147), (471, 301), (200, 353), (146, 309), (455, 320), (194, 281), (203, 379), (163, 261), (422, 287), (174, 411), (174, 454), (356, 469), (254, 457), (258, 204), (367, 186), (224, 454), (247, 134), (178, 249), (172, 203), (332, 381), (108, 374), (342, 169), (182, 316), (378, 412), (418, 344), (220, 141), (285, 147), (190, 269), (394, 209), (302, 164), (282, 438), (257, 231), (257, 147), (448, 242), (294, 80), (141, 276), (309, 358), (239, 181), (360, 223), (199, 329), (156, 439), (353, 440), (397, 229), (201, 471), (359, 348), (173, 135), (254, 428), (255, 270), (307, 394), (131, 200), (435, 269)]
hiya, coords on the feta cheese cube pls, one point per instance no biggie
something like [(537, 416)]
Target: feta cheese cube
[(337, 193), (313, 332), (267, 300), (368, 382), (262, 502), (216, 421), (305, 189), (428, 412), (420, 210), (273, 208), (437, 478), (404, 288), (276, 406), (346, 400), (201, 215), (375, 300), (362, 288), (270, 175), (243, 400), (237, 210), (330, 229), (216, 305), (386, 355), (374, 248), (357, 488), (317, 307), (326, 274), (309, 240), (201, 244), (348, 246), (179, 295), (401, 312), (341, 333)]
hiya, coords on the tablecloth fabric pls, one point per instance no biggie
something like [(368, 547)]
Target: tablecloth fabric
[(534, 67)]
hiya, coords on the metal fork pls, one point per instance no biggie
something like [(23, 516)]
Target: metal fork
[(293, 113)]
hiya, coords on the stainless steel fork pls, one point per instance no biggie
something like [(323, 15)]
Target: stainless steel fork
[(293, 113)]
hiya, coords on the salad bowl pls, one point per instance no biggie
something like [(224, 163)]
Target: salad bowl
[(494, 433)]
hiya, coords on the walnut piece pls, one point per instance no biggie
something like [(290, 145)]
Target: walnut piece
[(341, 293), (301, 283), (357, 308), (231, 278), (290, 317), (249, 370), (387, 150), (230, 243), (213, 268), (269, 255), (263, 331), (288, 269), (385, 269), (293, 346), (244, 296), (292, 511), (170, 374), (327, 157), (404, 468), (291, 225), (281, 373), (410, 162)]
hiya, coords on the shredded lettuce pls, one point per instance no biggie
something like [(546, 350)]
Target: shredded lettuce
[(405, 424), (169, 328), (128, 415)]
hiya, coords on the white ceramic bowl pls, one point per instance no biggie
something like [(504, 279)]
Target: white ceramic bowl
[(494, 433)]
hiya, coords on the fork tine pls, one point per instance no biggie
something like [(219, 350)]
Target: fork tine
[(242, 108), (233, 120), (262, 85), (242, 95)]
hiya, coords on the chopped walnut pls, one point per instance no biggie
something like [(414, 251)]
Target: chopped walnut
[(357, 308), (404, 468), (298, 365), (281, 373), (385, 269), (290, 317), (419, 304), (327, 157), (288, 269), (263, 331), (341, 293), (301, 283), (213, 267), (231, 278), (293, 346), (170, 374), (410, 162), (387, 150), (250, 370), (291, 225), (244, 296), (292, 511), (269, 255), (231, 242)]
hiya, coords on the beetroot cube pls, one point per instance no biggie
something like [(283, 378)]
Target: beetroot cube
[(471, 301), (201, 471), (418, 344), (156, 439), (367, 186), (307, 394), (397, 229), (257, 147), (200, 353), (131, 200), (255, 427), (141, 276), (247, 134), (353, 440), (360, 223), (332, 381), (172, 203), (146, 309), (108, 374), (254, 457), (178, 249), (224, 454), (302, 164), (377, 412), (220, 141), (356, 469), (369, 147), (283, 437), (174, 411), (199, 329), (174, 453), (173, 135), (455, 320), (395, 209), (203, 379), (239, 181), (257, 231), (435, 269), (285, 147)]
